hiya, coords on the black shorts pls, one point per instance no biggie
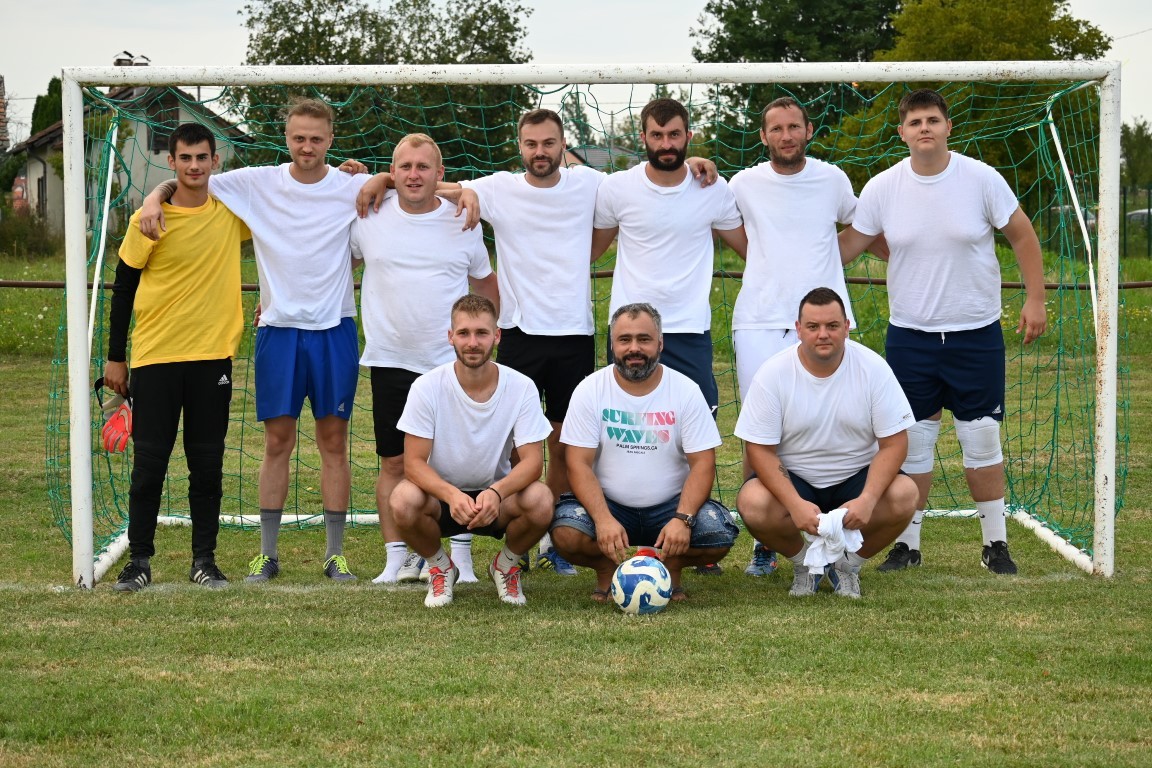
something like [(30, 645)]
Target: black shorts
[(449, 526), (962, 371), (390, 388), (556, 364)]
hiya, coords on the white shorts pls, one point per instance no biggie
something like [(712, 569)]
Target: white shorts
[(754, 346)]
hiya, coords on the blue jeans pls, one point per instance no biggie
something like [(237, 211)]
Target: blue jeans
[(714, 527)]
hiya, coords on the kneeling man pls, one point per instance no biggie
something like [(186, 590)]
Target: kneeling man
[(461, 422), (641, 452), (825, 425)]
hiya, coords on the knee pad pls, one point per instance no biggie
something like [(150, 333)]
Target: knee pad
[(921, 446), (979, 442)]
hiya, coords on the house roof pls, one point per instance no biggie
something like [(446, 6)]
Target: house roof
[(52, 136)]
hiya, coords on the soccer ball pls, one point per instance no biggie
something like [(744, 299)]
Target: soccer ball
[(641, 586)]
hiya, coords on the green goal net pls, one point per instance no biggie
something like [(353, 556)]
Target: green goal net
[(1043, 136)]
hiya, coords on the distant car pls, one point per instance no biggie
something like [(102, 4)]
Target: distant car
[(1139, 217), (1070, 212)]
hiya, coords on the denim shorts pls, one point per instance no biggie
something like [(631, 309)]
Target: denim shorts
[(714, 529)]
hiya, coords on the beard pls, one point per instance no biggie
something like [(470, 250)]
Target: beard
[(636, 373), (478, 363), (530, 166), (667, 165)]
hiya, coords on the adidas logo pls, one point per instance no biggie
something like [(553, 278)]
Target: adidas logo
[(340, 408), (223, 380), (996, 411)]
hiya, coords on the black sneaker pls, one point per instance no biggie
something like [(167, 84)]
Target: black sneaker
[(206, 574), (900, 557), (995, 558), (711, 569), (133, 578)]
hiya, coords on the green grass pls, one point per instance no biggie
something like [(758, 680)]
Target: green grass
[(944, 666)]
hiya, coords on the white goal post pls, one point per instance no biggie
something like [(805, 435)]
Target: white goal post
[(1105, 74)]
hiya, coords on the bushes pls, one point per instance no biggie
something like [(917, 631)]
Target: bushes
[(26, 235)]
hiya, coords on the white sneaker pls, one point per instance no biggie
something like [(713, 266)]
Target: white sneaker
[(440, 585), (467, 576), (508, 584), (410, 571)]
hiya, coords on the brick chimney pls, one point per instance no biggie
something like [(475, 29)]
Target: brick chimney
[(3, 117)]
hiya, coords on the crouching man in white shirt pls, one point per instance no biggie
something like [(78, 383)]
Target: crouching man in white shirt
[(461, 422), (641, 450), (825, 425)]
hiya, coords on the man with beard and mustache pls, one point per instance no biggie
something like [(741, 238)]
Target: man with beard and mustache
[(461, 423), (542, 223), (791, 207), (666, 226), (417, 260), (641, 449)]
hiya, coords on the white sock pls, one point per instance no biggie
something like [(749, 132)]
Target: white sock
[(855, 561), (546, 543), (395, 552), (507, 559), (440, 560), (992, 521), (911, 535), (462, 556), (798, 558)]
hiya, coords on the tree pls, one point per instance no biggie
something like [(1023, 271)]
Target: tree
[(49, 108), (740, 31), (991, 30), (1136, 153)]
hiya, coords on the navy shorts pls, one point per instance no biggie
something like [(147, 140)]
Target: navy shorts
[(714, 527), (556, 364), (691, 355), (962, 371), (293, 363), (449, 526), (390, 387)]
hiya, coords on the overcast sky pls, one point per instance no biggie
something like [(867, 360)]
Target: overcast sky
[(37, 44)]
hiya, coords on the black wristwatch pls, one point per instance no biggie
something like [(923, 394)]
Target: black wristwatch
[(689, 520)]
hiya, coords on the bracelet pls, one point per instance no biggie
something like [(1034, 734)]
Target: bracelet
[(490, 488)]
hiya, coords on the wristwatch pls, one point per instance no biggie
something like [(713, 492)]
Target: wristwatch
[(688, 520)]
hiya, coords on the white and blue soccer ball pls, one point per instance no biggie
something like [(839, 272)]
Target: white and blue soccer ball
[(641, 586)]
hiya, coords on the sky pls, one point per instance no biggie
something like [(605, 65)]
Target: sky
[(35, 47)]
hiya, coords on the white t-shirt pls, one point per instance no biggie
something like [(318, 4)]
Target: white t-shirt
[(665, 252), (300, 235), (472, 442), (825, 429), (641, 442), (415, 267), (543, 242), (792, 246), (943, 274)]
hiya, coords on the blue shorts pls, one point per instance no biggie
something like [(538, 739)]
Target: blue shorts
[(962, 371), (691, 355), (714, 527), (292, 363)]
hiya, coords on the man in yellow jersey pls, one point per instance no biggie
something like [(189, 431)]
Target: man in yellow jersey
[(184, 290)]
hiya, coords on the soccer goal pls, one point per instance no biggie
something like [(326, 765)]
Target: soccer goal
[(1051, 128)]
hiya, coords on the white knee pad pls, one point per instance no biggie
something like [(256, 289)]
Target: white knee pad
[(979, 442), (921, 446)]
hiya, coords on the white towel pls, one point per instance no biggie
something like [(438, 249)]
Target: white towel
[(832, 541)]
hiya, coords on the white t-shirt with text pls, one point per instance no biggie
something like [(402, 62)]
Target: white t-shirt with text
[(641, 442)]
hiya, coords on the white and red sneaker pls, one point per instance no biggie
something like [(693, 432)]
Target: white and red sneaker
[(508, 584), (440, 583)]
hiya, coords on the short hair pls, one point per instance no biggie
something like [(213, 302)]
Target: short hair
[(635, 309), (538, 116), (301, 107), (821, 297), (922, 98), (419, 140), (190, 134), (662, 111), (475, 305), (784, 102)]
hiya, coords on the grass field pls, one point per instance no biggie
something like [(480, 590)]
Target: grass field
[(944, 666)]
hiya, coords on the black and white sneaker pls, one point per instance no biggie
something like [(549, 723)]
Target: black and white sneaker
[(995, 558), (133, 578), (206, 574), (899, 558)]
